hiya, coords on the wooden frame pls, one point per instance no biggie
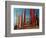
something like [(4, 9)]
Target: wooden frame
[(8, 18)]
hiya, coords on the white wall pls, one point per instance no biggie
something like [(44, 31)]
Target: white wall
[(2, 19)]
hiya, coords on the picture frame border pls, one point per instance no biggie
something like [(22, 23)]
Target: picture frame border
[(8, 16)]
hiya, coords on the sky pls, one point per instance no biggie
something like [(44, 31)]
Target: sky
[(19, 11)]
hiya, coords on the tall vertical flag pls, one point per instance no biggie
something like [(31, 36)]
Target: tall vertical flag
[(32, 14)]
